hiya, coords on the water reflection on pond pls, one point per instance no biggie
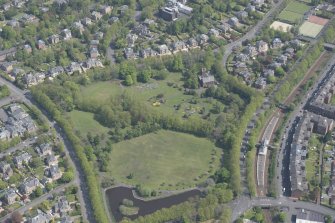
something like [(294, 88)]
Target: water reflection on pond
[(117, 194)]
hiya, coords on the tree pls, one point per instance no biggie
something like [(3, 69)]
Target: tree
[(145, 75), (281, 217), (49, 186), (128, 81), (177, 64), (16, 217), (38, 192), (327, 137), (222, 175), (328, 219), (67, 177), (280, 72)]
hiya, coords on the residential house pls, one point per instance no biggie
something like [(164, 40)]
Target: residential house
[(106, 9), (225, 28), (6, 6), (262, 46), (27, 48), (268, 72), (257, 2), (29, 185), (79, 27), (44, 149), (94, 44), (26, 19), (6, 170), (62, 206), (113, 19), (242, 57), (96, 15), (129, 53), (16, 72), (54, 39), (289, 52), (214, 32), (163, 50), (53, 172), (203, 39), (234, 22), (148, 53), (98, 35), (66, 34), (277, 43), (6, 67), (179, 46), (13, 23), (168, 14), (251, 51), (260, 83), (21, 159), (87, 21), (55, 71), (192, 43), (91, 63), (94, 53), (51, 159), (142, 31), (40, 217), (131, 38), (10, 196), (307, 216), (282, 59), (123, 9), (241, 15), (206, 79), (250, 8), (73, 67), (41, 45), (31, 79)]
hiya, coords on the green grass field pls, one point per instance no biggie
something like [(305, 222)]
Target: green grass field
[(84, 122), (164, 160), (294, 12), (310, 29), (297, 7), (173, 95), (289, 16)]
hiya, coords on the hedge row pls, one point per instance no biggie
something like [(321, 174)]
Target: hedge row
[(91, 180)]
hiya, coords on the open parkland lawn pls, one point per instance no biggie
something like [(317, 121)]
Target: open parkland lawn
[(164, 160), (173, 95), (84, 122), (293, 12)]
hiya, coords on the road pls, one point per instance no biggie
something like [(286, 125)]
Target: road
[(20, 146), (79, 180), (244, 203), (37, 201), (253, 32)]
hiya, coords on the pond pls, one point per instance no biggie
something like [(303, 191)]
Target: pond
[(117, 194)]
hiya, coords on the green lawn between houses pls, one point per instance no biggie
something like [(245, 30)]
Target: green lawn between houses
[(164, 160)]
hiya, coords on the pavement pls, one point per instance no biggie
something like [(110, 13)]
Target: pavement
[(80, 181)]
